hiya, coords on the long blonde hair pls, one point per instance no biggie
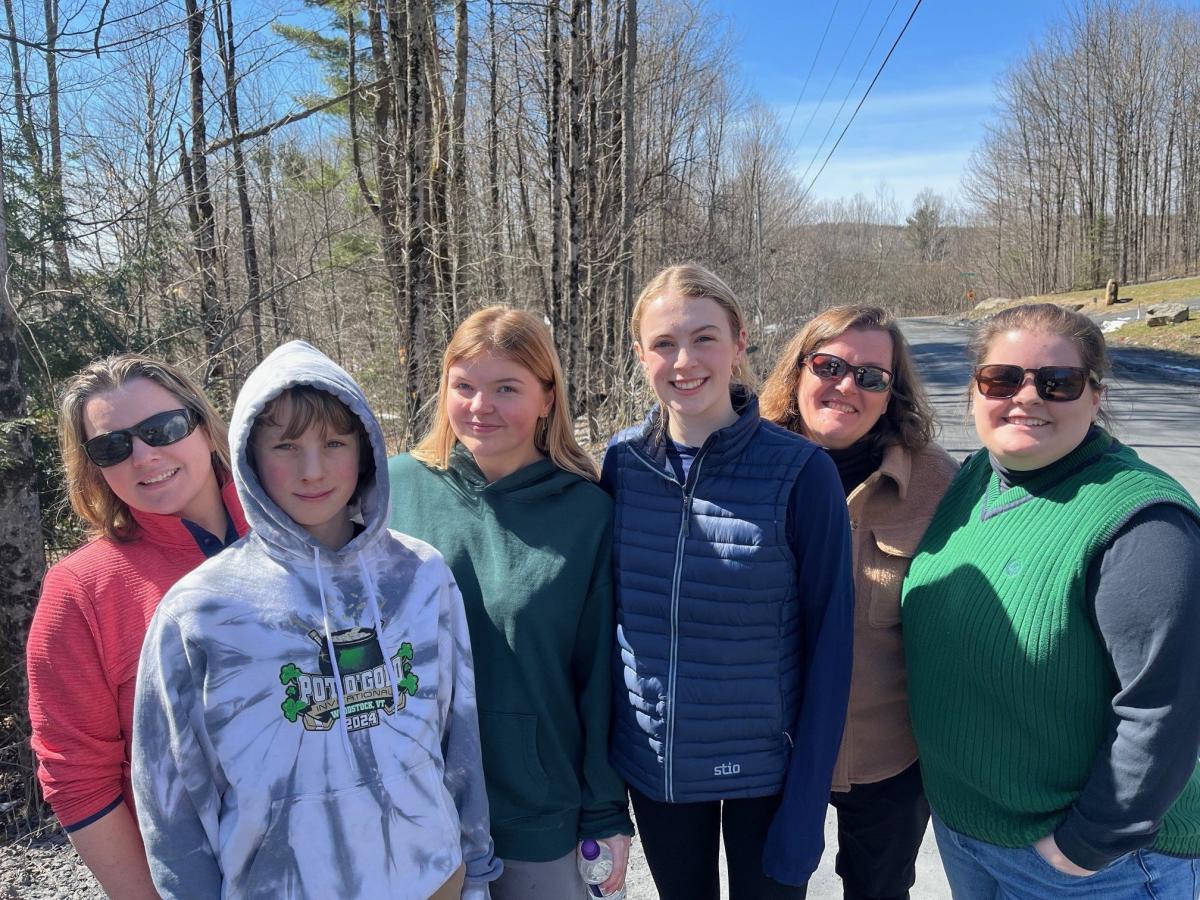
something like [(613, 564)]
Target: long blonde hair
[(693, 280), (105, 513), (908, 418), (520, 337)]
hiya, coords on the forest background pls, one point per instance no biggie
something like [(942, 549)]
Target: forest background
[(202, 180)]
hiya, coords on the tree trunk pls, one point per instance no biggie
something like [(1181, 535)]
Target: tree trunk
[(458, 167), (56, 205), (493, 140), (20, 96), (554, 164), (204, 233), (21, 545), (227, 49), (575, 138), (390, 113), (527, 224), (418, 271), (628, 158), (279, 325)]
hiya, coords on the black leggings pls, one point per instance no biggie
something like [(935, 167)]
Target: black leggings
[(680, 841)]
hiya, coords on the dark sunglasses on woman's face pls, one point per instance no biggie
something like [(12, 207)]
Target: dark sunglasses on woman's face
[(159, 430), (1054, 383), (828, 367)]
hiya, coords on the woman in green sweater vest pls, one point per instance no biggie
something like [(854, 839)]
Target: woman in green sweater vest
[(500, 487), (1049, 624)]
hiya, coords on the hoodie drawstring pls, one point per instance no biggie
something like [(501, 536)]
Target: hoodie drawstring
[(337, 674), (373, 601)]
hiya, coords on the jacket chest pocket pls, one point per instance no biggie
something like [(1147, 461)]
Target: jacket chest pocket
[(891, 550)]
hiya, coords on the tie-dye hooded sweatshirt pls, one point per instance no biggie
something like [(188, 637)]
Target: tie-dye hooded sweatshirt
[(305, 721)]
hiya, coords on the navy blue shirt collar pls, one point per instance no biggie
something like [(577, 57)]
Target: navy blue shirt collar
[(210, 545)]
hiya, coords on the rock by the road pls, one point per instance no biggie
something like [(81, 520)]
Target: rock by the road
[(1167, 314)]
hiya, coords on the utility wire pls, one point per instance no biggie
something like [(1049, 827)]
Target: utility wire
[(857, 75), (836, 69), (812, 66), (866, 93)]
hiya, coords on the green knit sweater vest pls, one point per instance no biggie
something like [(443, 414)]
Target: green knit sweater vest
[(1009, 686)]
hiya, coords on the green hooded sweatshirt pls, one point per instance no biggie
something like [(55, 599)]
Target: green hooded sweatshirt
[(531, 555)]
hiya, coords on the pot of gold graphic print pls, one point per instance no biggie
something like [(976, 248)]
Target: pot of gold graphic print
[(357, 651), (362, 670)]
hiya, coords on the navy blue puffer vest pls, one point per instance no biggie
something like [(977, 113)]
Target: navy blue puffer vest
[(708, 632)]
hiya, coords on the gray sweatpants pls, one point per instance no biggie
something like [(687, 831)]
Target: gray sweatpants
[(555, 880)]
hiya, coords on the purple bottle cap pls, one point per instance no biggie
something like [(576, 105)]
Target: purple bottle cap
[(589, 850)]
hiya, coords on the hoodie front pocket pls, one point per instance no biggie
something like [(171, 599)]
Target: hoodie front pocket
[(393, 838), (517, 785)]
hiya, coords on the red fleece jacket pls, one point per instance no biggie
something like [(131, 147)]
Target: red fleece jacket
[(83, 654)]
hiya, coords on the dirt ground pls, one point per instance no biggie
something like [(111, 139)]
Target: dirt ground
[(49, 869)]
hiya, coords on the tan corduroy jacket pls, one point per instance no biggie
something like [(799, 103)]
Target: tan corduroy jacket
[(889, 513)]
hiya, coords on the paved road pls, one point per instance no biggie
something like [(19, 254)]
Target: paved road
[(1156, 400)]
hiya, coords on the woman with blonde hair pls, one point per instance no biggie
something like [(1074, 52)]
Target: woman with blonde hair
[(147, 468), (734, 604), (500, 486), (847, 381)]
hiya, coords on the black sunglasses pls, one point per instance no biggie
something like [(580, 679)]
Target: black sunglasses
[(1059, 384), (159, 430), (828, 367)]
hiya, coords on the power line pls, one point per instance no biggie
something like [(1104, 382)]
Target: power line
[(866, 93), (849, 91), (836, 69), (820, 47)]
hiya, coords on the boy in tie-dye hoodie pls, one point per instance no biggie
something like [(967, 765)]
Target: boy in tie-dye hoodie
[(305, 718)]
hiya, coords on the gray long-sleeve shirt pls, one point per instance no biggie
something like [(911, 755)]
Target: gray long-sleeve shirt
[(1144, 594)]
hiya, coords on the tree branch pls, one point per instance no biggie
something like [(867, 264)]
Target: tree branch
[(292, 117)]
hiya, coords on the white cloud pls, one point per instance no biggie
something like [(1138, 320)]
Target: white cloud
[(972, 100)]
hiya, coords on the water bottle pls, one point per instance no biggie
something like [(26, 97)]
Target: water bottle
[(595, 867)]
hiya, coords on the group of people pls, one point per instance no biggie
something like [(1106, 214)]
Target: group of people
[(287, 665)]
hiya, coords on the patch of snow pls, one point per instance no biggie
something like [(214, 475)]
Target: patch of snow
[(1111, 325)]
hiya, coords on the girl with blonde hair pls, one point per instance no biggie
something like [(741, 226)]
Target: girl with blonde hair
[(500, 486), (147, 469), (732, 569)]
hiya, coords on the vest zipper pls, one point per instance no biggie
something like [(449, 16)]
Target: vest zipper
[(685, 530)]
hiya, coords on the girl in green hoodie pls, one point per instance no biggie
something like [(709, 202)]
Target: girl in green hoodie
[(500, 486)]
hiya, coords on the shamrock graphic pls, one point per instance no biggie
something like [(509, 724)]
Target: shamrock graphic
[(409, 682), (293, 706)]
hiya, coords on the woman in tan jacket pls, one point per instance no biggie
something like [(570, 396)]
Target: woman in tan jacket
[(847, 381)]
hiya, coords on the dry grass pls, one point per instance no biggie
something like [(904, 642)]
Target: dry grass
[(1142, 294), (1181, 338)]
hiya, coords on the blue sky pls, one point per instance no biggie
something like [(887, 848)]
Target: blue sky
[(926, 112)]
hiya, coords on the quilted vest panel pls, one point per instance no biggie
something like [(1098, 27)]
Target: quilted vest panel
[(708, 632)]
